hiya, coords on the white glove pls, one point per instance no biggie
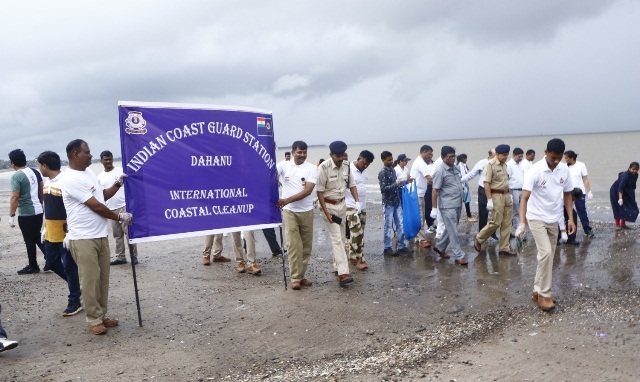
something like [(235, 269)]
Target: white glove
[(520, 230), (434, 213), (12, 222), (489, 205), (65, 242), (120, 181), (563, 237), (589, 195), (125, 217), (43, 234), (619, 203), (358, 207)]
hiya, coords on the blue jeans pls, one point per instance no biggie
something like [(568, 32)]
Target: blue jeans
[(3, 334), (393, 215), (59, 260), (581, 208)]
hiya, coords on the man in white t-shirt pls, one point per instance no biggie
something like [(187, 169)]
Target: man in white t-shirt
[(529, 157), (422, 172), (478, 170), (117, 204), (298, 178), (580, 180), (357, 220), (546, 185), (515, 171), (87, 215)]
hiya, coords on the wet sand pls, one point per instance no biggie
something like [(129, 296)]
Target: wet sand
[(411, 318)]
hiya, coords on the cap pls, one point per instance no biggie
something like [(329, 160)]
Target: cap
[(503, 149), (403, 157), (337, 147)]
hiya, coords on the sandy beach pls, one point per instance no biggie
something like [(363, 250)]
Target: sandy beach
[(413, 318)]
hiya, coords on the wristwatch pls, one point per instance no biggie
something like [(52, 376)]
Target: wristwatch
[(12, 215)]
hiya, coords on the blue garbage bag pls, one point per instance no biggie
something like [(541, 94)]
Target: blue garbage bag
[(410, 211)]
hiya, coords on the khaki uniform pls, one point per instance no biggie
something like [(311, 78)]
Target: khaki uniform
[(497, 179), (332, 182)]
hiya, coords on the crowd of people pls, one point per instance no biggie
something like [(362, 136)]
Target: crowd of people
[(76, 206)]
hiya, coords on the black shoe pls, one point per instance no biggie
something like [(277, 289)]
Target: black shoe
[(589, 233), (573, 242), (118, 262), (388, 252), (134, 260), (277, 253), (29, 270), (404, 251), (73, 308), (46, 268)]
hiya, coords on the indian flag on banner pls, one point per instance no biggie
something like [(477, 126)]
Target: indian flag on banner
[(265, 127)]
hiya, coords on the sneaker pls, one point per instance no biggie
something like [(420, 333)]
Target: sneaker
[(254, 269), (134, 260), (110, 322), (46, 268), (6, 344), (73, 308), (404, 251), (589, 233), (388, 252), (118, 262), (220, 259), (241, 267), (97, 329), (205, 260), (432, 229), (29, 270)]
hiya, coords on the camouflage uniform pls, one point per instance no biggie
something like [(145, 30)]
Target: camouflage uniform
[(356, 224)]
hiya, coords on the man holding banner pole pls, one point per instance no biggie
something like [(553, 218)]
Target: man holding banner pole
[(334, 177), (298, 179), (87, 216)]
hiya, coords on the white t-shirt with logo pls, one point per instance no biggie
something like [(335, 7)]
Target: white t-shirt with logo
[(547, 188), (361, 186), (294, 179), (107, 179), (82, 222), (578, 170)]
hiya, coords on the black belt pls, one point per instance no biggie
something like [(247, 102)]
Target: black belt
[(333, 201), (499, 191), (516, 189)]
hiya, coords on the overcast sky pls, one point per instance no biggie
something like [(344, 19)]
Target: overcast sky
[(361, 71)]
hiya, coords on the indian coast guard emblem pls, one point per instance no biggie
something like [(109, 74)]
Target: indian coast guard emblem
[(135, 123)]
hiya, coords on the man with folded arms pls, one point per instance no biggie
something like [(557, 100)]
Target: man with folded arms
[(334, 177), (87, 217), (547, 186), (496, 188), (298, 178)]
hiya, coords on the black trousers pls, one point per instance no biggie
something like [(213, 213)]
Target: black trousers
[(428, 206), (30, 227), (270, 235), (483, 214)]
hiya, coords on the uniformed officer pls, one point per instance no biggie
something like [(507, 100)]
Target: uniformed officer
[(496, 187), (334, 177)]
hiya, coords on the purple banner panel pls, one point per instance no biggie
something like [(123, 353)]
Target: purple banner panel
[(197, 169)]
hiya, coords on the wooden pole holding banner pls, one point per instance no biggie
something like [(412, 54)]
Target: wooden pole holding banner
[(284, 273), (135, 286)]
